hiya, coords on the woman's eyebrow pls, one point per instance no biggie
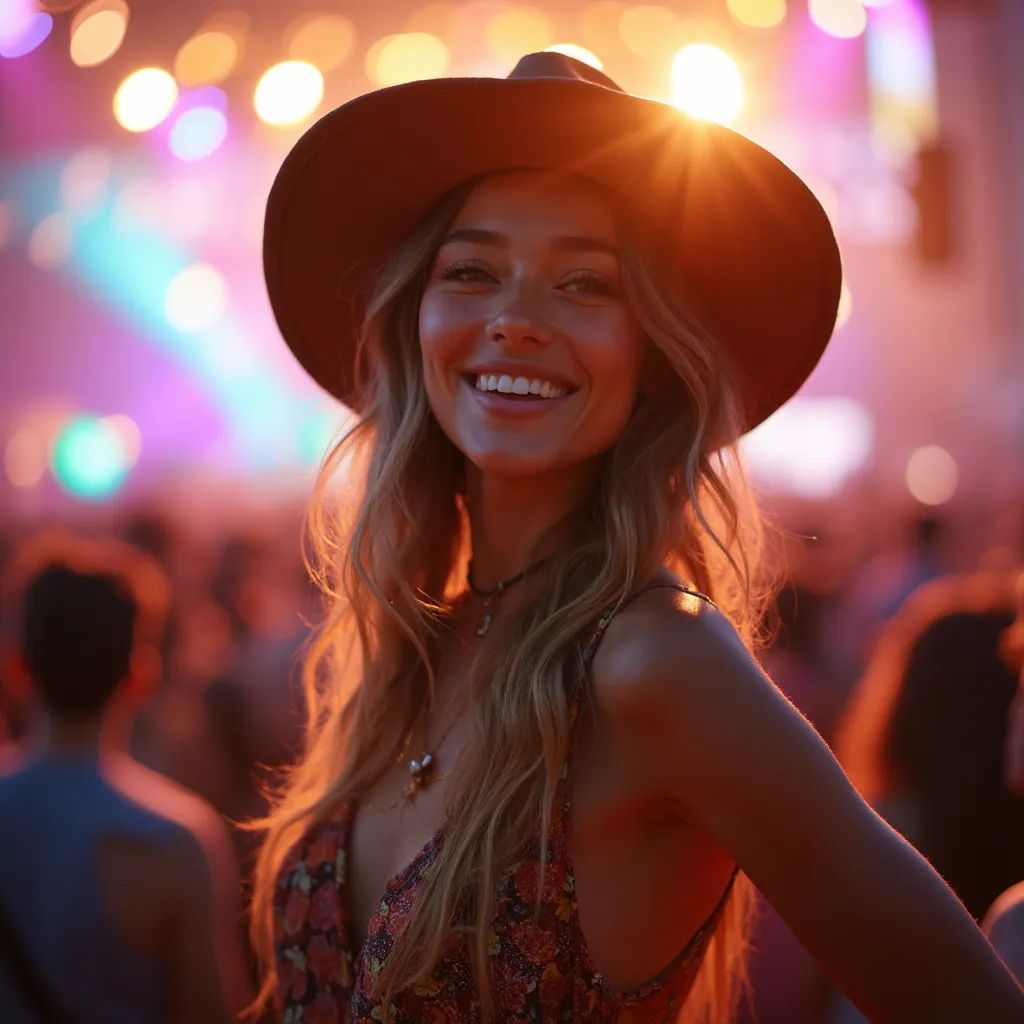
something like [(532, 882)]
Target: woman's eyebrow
[(574, 243)]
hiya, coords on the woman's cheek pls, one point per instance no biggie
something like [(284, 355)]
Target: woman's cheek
[(443, 320)]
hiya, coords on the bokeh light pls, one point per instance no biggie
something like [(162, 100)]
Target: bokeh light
[(207, 58), (758, 13), (144, 99), (25, 458), (50, 244), (196, 298), (88, 458), (650, 30), (811, 446), (198, 132), (85, 177), (844, 19), (97, 31), (129, 435), (323, 40), (520, 30), (599, 25), (22, 28), (580, 53), (707, 83), (902, 77), (433, 18), (406, 57), (288, 92), (932, 475)]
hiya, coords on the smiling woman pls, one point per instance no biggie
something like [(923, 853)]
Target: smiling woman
[(542, 769), (527, 286)]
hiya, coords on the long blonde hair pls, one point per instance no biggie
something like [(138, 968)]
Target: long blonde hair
[(388, 544)]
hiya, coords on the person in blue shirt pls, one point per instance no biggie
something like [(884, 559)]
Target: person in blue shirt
[(119, 892)]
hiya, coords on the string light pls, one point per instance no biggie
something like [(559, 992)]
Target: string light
[(144, 99), (519, 30), (650, 30), (288, 92), (97, 31), (758, 13), (406, 57), (323, 40)]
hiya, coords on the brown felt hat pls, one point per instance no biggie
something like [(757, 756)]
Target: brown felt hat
[(746, 236)]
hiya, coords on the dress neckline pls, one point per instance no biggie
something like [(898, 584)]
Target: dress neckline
[(397, 881)]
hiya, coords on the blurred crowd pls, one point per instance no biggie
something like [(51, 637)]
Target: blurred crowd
[(181, 648)]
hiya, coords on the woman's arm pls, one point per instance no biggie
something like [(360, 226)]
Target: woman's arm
[(704, 724)]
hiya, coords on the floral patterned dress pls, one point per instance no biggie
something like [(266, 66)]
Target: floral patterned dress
[(541, 970)]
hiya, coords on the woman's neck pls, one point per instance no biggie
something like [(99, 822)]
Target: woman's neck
[(509, 516)]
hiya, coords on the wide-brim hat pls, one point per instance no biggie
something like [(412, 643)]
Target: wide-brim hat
[(746, 237)]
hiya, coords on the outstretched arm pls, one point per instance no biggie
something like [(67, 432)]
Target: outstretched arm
[(734, 755)]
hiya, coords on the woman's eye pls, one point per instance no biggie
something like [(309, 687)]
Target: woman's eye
[(464, 272), (591, 283), (587, 282)]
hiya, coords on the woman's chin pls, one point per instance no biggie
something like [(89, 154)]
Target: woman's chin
[(507, 463)]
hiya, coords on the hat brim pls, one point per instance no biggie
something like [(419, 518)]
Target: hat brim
[(748, 238)]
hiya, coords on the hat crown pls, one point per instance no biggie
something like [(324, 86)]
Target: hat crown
[(550, 64)]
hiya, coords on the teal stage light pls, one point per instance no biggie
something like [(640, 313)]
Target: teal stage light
[(89, 458)]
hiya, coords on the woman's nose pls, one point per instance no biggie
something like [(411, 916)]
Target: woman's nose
[(519, 317)]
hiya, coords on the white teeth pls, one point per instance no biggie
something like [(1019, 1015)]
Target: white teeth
[(507, 385)]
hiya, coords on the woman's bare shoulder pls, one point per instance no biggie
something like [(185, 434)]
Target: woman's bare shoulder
[(665, 636)]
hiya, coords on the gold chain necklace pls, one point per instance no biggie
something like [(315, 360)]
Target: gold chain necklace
[(422, 771)]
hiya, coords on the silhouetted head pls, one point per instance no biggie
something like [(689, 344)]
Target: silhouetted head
[(91, 614)]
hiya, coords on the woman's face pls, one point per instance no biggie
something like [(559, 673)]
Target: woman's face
[(526, 286)]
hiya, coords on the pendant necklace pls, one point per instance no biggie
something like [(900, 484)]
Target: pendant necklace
[(422, 770), (490, 596)]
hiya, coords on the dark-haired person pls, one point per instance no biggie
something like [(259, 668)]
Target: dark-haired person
[(924, 735), (542, 770), (119, 894)]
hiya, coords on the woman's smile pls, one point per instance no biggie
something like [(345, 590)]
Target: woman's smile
[(509, 404)]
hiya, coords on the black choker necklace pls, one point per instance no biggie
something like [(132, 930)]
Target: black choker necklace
[(490, 595)]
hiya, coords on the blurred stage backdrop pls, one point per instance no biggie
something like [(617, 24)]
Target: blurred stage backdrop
[(140, 362)]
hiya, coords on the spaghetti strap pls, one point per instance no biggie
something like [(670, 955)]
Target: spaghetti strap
[(602, 623)]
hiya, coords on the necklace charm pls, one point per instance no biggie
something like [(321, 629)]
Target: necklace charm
[(420, 775), (485, 624)]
